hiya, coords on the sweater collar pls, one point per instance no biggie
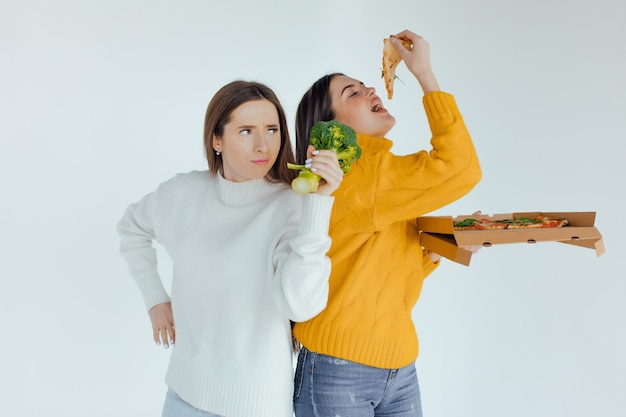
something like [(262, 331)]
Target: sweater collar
[(240, 193), (373, 144)]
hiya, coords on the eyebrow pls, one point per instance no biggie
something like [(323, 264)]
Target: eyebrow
[(253, 126), (349, 86)]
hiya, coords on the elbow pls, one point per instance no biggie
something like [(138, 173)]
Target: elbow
[(476, 173), (464, 180), (472, 172), (303, 306), (306, 309), (298, 318), (300, 302)]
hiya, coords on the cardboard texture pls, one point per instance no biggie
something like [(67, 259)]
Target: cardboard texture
[(438, 235)]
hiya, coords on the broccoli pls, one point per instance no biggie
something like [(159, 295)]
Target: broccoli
[(331, 135)]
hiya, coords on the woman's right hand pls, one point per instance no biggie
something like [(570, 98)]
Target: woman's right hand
[(162, 320), (417, 60), (325, 164)]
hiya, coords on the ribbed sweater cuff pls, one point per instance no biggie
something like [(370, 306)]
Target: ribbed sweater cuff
[(152, 291), (441, 110), (316, 211)]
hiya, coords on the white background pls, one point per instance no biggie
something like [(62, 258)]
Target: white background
[(103, 100)]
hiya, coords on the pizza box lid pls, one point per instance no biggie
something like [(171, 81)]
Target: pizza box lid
[(437, 233)]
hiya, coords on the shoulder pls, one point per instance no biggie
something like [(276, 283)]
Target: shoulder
[(182, 183), (193, 177), (188, 179)]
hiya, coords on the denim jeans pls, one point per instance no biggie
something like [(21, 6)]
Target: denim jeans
[(326, 386), (175, 406)]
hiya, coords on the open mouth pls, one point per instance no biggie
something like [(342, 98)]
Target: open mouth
[(377, 107)]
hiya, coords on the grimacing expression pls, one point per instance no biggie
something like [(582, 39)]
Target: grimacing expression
[(251, 141), (358, 106)]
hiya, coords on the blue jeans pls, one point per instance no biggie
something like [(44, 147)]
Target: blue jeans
[(326, 386), (175, 406)]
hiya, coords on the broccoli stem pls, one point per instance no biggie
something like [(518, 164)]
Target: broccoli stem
[(295, 166), (306, 182)]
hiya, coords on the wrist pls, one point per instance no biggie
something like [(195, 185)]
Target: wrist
[(428, 82)]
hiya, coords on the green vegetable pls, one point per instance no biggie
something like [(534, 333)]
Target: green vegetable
[(466, 222), (334, 136), (395, 77)]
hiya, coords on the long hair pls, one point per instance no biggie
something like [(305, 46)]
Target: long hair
[(218, 113), (315, 106)]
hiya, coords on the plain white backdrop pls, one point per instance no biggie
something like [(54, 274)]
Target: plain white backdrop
[(103, 100)]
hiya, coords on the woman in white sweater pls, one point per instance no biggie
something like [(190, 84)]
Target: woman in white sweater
[(248, 254)]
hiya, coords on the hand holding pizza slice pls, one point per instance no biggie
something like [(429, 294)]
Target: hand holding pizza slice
[(391, 59), (415, 52)]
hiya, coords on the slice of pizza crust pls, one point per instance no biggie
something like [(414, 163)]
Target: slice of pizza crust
[(391, 59)]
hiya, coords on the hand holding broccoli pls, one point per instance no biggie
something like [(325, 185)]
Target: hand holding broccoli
[(334, 136)]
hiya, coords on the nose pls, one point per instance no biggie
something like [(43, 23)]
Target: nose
[(370, 90), (260, 143)]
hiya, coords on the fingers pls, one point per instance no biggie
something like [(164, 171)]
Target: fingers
[(164, 335), (324, 163), (162, 318), (420, 48), (309, 151), (156, 335), (406, 34), (435, 257), (473, 249), (416, 41)]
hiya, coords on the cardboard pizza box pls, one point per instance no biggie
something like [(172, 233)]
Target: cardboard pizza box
[(437, 233)]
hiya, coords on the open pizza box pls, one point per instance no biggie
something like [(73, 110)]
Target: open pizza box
[(437, 233)]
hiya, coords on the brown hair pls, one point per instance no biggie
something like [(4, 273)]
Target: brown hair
[(315, 106), (218, 112)]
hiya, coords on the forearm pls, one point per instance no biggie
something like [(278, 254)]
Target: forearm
[(136, 246), (428, 82), (303, 269)]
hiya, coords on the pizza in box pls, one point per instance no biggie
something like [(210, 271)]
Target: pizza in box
[(539, 222)]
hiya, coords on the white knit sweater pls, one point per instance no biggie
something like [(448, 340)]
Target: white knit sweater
[(247, 258)]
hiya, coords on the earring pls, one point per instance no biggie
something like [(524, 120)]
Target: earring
[(217, 153)]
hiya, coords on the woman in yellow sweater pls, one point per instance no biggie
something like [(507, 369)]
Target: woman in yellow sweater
[(358, 355)]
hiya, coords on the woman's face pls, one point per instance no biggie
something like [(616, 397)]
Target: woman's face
[(251, 141), (359, 107)]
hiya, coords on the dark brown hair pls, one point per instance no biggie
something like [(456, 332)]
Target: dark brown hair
[(315, 106), (218, 112)]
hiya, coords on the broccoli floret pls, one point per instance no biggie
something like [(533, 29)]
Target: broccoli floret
[(331, 135)]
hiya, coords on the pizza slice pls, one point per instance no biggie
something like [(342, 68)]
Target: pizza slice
[(479, 224), (391, 59), (537, 223)]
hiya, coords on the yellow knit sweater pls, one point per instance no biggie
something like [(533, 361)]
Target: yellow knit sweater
[(378, 265)]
